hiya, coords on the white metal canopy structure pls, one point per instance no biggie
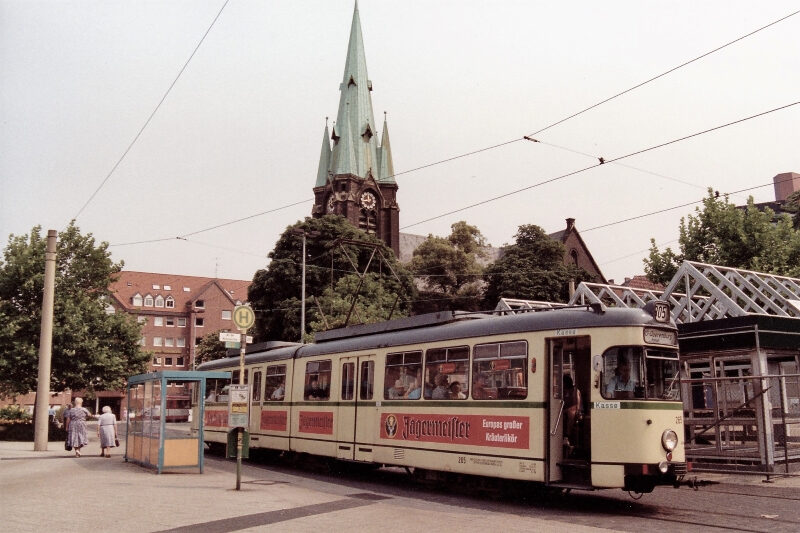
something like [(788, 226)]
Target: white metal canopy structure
[(709, 292)]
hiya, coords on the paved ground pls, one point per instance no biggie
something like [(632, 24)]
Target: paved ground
[(54, 491)]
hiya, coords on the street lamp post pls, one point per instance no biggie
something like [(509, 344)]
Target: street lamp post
[(303, 293), (302, 232)]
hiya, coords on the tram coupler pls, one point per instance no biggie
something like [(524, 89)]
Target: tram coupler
[(693, 483)]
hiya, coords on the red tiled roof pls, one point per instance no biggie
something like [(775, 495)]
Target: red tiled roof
[(130, 283), (641, 282)]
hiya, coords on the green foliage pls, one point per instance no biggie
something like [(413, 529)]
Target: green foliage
[(374, 303), (13, 413), (92, 349), (210, 348), (275, 291), (722, 234), (450, 268), (533, 269)]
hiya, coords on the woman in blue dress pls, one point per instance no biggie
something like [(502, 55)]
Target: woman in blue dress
[(77, 437)]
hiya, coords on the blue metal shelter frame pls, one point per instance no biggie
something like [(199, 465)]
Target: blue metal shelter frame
[(163, 379)]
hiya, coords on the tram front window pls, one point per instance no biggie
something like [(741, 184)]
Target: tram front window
[(631, 372), (662, 375)]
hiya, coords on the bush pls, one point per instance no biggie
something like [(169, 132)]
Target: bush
[(14, 413), (22, 430)]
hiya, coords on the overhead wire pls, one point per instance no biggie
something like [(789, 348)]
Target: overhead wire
[(155, 110), (602, 162), (663, 74), (453, 158)]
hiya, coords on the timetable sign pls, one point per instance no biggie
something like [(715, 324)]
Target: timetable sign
[(239, 406)]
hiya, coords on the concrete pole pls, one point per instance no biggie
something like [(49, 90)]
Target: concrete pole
[(45, 346)]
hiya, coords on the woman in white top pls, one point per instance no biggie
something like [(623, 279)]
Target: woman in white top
[(107, 431)]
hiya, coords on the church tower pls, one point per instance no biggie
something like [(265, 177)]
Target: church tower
[(355, 178)]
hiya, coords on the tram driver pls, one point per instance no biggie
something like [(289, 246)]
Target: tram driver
[(621, 385)]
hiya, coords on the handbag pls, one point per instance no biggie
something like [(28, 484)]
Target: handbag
[(67, 447), (116, 442)]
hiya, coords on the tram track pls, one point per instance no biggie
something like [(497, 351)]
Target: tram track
[(689, 511)]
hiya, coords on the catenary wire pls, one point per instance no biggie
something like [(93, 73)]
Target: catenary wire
[(602, 162), (663, 74), (310, 265), (473, 152), (155, 110)]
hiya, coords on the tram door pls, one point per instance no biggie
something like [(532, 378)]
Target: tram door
[(355, 428), (569, 372)]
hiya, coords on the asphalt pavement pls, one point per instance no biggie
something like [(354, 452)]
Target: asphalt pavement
[(56, 491)]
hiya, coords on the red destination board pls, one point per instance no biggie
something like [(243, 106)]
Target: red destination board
[(273, 420), (317, 422), (216, 418)]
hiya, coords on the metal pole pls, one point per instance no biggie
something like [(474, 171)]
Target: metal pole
[(303, 293), (45, 346), (240, 431)]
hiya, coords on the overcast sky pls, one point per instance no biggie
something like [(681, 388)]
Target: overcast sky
[(240, 132)]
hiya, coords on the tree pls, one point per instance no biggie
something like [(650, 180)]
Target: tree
[(210, 348), (450, 269), (374, 304), (722, 234), (92, 348), (533, 269), (275, 291)]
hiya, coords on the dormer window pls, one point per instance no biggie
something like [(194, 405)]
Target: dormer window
[(148, 301), (351, 82), (137, 300), (169, 302), (159, 301), (367, 135)]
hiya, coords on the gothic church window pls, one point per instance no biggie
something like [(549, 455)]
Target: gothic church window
[(367, 221)]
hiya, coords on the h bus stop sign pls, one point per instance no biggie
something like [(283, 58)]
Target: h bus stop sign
[(243, 317)]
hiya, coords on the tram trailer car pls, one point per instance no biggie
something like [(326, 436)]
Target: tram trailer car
[(577, 397)]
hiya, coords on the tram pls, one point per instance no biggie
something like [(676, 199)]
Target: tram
[(577, 397)]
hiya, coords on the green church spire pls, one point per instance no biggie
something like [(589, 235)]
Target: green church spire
[(355, 150)]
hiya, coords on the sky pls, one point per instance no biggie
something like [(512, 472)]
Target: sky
[(239, 132)]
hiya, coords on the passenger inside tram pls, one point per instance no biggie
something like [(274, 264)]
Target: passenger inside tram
[(278, 393), (442, 390), (414, 391)]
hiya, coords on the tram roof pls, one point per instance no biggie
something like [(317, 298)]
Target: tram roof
[(444, 327)]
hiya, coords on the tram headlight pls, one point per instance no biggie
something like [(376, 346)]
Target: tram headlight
[(669, 440), (663, 467)]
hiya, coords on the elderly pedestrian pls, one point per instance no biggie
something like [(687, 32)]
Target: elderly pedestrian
[(107, 431), (77, 437)]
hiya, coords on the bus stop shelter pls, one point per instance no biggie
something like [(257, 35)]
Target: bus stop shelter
[(159, 422)]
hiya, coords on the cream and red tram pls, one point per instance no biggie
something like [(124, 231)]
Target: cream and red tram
[(477, 394)]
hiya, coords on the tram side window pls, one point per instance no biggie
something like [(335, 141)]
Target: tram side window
[(622, 373), (318, 380), (447, 373), (367, 379), (348, 380), (217, 390), (275, 383), (256, 386), (403, 379), (499, 371)]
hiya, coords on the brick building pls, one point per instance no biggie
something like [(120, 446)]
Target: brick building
[(176, 312)]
